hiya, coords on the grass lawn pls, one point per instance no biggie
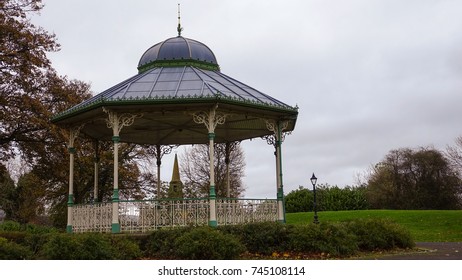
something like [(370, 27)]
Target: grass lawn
[(424, 225)]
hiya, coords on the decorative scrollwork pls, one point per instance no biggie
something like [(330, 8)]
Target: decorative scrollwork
[(148, 215), (73, 134), (241, 211), (270, 139), (92, 218), (209, 119), (272, 126), (117, 122)]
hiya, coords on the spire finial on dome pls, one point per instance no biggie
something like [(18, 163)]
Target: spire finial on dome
[(179, 28)]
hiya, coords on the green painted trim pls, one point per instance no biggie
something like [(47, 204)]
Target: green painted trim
[(72, 150), (212, 193), (115, 228), (213, 224), (179, 63), (211, 135), (280, 195), (291, 112), (69, 229), (115, 195), (70, 200), (116, 139)]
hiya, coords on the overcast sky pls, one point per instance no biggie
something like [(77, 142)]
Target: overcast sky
[(368, 76)]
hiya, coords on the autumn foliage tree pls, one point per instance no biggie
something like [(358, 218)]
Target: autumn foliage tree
[(31, 93)]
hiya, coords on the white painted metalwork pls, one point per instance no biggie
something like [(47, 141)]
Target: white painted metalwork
[(92, 217), (149, 215), (117, 122), (73, 134), (211, 120), (242, 211), (143, 216)]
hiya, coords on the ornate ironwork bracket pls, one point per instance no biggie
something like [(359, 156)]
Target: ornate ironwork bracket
[(272, 126), (210, 119), (117, 122), (73, 134)]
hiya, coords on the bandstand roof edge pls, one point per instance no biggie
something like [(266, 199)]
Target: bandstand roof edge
[(174, 84), (172, 123)]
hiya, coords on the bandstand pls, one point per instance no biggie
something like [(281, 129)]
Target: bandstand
[(178, 97)]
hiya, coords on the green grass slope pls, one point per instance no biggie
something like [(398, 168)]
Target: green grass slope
[(424, 225)]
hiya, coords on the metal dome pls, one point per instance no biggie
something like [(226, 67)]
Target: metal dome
[(178, 51)]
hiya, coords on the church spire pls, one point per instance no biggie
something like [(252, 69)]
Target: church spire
[(176, 171), (175, 189)]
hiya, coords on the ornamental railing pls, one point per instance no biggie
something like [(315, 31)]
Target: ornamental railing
[(148, 215), (232, 211), (95, 217)]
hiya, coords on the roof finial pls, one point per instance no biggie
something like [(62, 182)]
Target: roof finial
[(179, 28)]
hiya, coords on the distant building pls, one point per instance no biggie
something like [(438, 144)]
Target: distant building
[(175, 188)]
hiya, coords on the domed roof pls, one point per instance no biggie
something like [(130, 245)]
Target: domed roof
[(178, 51)]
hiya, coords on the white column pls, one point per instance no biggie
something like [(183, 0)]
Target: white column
[(96, 175), (212, 193), (211, 119), (73, 133), (115, 193), (70, 198), (117, 122)]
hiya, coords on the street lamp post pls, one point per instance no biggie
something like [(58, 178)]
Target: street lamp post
[(313, 182)]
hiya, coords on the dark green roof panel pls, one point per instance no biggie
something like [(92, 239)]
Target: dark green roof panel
[(175, 51)]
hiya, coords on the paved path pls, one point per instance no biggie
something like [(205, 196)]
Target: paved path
[(430, 251)]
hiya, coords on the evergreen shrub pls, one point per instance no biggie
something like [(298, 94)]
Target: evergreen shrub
[(125, 248), (379, 234), (336, 239), (10, 226), (90, 246), (205, 243), (261, 238), (13, 251), (332, 239), (161, 242)]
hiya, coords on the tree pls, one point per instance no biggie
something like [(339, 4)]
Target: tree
[(31, 93), (195, 169), (133, 184), (300, 200), (414, 179), (329, 198), (7, 192), (24, 74), (454, 155)]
